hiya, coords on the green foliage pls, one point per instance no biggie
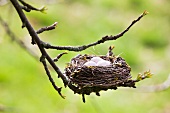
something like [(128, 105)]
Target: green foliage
[(146, 74), (24, 86)]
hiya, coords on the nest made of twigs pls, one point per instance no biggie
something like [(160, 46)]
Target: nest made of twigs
[(85, 79)]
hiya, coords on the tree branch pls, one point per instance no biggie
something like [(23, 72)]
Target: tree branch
[(43, 45), (35, 37), (59, 56), (51, 27), (47, 28), (27, 7), (104, 39), (42, 59)]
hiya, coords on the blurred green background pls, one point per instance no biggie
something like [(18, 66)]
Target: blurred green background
[(24, 86)]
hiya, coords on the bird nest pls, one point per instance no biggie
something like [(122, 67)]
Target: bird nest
[(91, 73)]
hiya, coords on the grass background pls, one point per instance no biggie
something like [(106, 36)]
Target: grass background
[(24, 86)]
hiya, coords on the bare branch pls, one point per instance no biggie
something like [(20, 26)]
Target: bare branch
[(104, 39), (51, 27), (42, 59), (22, 45), (35, 37), (27, 7), (47, 28), (59, 56)]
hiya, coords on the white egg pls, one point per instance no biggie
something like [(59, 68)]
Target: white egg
[(96, 59), (103, 63), (90, 63)]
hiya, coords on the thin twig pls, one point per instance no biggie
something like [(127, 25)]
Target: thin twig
[(42, 59), (27, 7), (47, 28), (104, 39), (59, 56)]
